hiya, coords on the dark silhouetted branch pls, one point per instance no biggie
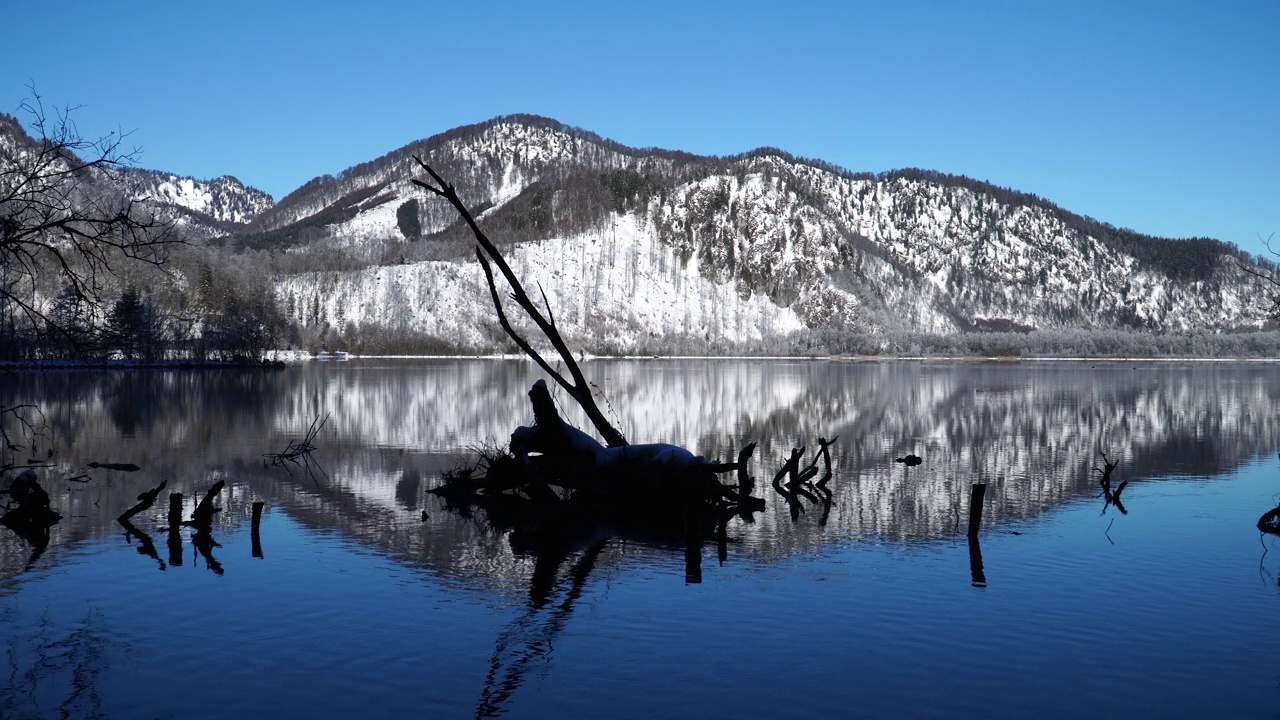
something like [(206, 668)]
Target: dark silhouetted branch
[(145, 501), (578, 389), (298, 452)]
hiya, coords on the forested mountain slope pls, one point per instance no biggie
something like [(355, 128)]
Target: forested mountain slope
[(649, 248), (646, 250)]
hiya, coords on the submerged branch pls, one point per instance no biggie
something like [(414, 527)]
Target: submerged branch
[(298, 452)]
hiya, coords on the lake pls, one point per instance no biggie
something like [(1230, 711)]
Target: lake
[(873, 606)]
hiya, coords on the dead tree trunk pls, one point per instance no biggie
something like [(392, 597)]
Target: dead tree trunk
[(1111, 497), (552, 452), (579, 389), (202, 516), (145, 501)]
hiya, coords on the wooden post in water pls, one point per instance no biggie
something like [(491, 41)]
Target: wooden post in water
[(175, 523), (175, 511), (257, 520), (975, 508)]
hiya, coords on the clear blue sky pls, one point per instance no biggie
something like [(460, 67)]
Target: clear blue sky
[(1159, 116)]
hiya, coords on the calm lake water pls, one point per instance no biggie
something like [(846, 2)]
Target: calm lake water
[(359, 607)]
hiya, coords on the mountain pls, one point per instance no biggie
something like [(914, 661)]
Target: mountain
[(643, 248), (650, 250), (207, 207), (202, 208)]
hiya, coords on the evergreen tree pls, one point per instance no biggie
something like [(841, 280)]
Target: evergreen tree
[(135, 326), (407, 220), (72, 315)]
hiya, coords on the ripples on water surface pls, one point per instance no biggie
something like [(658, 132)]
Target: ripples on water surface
[(361, 608)]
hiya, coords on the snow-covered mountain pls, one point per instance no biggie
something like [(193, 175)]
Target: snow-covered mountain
[(203, 208), (643, 248), (210, 207)]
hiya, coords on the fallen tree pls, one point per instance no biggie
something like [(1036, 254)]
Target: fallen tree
[(555, 478)]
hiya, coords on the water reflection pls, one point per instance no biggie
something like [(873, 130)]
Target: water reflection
[(977, 573), (1030, 430), (202, 540), (531, 636), (146, 546), (61, 667)]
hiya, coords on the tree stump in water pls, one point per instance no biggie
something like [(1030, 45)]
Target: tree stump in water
[(32, 515)]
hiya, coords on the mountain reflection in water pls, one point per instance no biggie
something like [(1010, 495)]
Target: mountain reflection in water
[(1032, 431), (364, 596)]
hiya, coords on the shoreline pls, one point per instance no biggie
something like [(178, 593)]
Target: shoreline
[(848, 358), (284, 359)]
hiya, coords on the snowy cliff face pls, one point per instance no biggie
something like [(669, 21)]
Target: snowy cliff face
[(207, 207), (615, 289), (632, 245)]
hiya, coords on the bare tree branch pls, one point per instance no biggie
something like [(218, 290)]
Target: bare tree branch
[(579, 389), (1267, 281), (64, 220)]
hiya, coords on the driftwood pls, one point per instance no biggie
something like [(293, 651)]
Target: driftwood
[(145, 501), (255, 526), (122, 467), (976, 494), (175, 511), (202, 516), (1112, 497), (1270, 521), (298, 452), (789, 490), (551, 454), (799, 483), (579, 389)]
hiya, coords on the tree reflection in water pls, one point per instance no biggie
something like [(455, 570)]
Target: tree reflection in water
[(46, 667), (532, 635), (145, 545)]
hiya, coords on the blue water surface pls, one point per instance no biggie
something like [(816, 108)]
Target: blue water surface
[(360, 607)]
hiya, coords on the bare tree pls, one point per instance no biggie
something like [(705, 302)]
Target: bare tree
[(1267, 279), (65, 224)]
